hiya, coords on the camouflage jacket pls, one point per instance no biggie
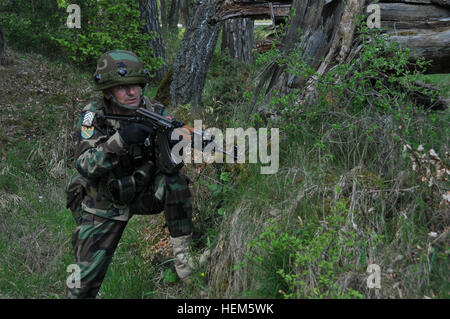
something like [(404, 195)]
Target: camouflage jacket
[(102, 157)]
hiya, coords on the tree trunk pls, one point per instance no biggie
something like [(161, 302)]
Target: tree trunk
[(163, 11), (328, 28), (194, 56), (149, 12), (327, 33), (184, 8), (173, 16), (237, 39), (2, 48)]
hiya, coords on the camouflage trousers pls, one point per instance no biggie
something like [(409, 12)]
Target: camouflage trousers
[(95, 239)]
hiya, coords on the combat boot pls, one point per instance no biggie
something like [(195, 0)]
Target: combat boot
[(183, 259)]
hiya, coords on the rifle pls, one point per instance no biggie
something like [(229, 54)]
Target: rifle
[(162, 128)]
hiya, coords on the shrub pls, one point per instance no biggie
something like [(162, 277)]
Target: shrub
[(307, 261), (109, 25), (351, 135), (105, 25)]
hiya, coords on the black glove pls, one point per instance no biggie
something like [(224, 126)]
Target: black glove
[(134, 133)]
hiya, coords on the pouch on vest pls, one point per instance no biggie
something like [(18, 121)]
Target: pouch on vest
[(122, 190)]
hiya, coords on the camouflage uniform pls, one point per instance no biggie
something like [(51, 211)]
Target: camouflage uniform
[(116, 181)]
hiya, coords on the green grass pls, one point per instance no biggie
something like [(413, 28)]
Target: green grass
[(128, 276), (35, 239), (35, 226)]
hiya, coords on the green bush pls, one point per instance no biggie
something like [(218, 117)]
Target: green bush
[(307, 262), (32, 25), (351, 133), (109, 25), (105, 25)]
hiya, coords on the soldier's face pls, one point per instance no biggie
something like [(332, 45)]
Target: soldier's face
[(127, 94)]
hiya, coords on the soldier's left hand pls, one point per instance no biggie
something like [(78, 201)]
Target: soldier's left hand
[(134, 133)]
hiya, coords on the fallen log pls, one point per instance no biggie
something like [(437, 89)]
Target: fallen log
[(394, 13), (433, 46), (326, 40), (399, 16), (253, 10)]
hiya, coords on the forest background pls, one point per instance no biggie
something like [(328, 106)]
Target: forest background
[(364, 159)]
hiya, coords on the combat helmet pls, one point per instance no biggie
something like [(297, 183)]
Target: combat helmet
[(119, 67)]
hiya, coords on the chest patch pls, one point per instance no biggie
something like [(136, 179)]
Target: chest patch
[(87, 132)]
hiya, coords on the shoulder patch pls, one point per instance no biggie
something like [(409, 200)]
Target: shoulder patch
[(87, 132), (88, 119)]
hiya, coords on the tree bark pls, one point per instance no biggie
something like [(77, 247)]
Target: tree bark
[(149, 12), (195, 55), (184, 8), (327, 32), (327, 29), (174, 15), (237, 39), (163, 11), (2, 48)]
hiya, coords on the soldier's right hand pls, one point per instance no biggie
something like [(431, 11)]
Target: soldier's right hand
[(134, 133)]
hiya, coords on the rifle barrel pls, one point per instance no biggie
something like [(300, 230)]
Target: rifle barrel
[(146, 116)]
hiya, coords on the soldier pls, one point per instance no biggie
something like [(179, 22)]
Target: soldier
[(116, 179)]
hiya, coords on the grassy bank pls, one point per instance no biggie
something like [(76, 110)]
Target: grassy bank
[(362, 181)]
